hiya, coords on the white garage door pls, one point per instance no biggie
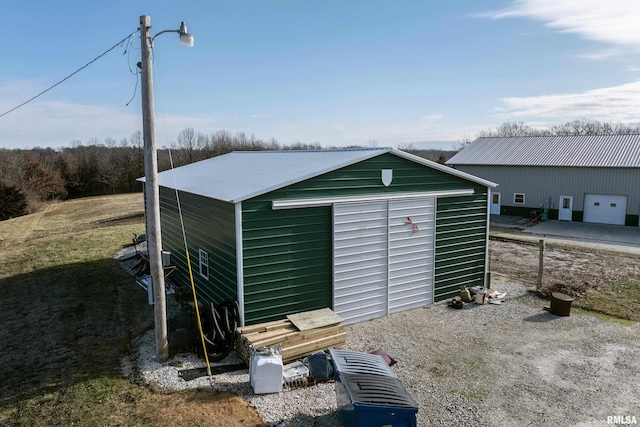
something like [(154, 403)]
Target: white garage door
[(360, 249), (411, 253), (383, 257), (605, 208)]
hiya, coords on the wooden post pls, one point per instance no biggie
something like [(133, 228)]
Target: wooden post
[(488, 277), (152, 196), (540, 264)]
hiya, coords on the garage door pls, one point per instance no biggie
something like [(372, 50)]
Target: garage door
[(360, 247), (605, 208), (411, 236), (383, 257)]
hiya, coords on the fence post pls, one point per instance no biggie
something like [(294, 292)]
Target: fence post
[(540, 264)]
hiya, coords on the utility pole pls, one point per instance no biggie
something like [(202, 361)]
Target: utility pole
[(152, 193)]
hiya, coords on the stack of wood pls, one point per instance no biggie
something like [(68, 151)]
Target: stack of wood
[(300, 334)]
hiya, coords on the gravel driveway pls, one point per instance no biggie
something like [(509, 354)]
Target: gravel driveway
[(490, 365)]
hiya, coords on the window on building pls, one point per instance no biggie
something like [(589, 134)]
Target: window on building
[(613, 205), (518, 198), (204, 264), (596, 204)]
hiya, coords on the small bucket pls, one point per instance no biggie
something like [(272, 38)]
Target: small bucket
[(481, 296)]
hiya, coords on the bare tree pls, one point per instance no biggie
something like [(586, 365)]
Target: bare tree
[(136, 141), (508, 130), (576, 127), (11, 167), (187, 143), (109, 142), (593, 127), (202, 143), (407, 146)]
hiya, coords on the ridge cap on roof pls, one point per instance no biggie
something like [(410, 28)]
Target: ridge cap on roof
[(320, 150)]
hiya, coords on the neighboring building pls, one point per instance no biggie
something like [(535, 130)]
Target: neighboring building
[(577, 178), (365, 232)]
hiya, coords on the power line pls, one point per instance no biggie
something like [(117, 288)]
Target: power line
[(70, 75)]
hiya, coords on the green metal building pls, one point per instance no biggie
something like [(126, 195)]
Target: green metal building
[(366, 232)]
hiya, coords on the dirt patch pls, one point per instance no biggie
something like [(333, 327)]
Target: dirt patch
[(581, 272)]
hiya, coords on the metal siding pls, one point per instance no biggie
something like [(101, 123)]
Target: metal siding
[(360, 260), (572, 151), (539, 183), (411, 253), (209, 225), (461, 233), (299, 275), (287, 259)]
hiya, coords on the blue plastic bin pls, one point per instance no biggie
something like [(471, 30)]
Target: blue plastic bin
[(366, 400)]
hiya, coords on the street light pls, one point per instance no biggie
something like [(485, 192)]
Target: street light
[(152, 192)]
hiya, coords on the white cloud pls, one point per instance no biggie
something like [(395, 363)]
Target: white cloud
[(610, 21), (617, 103), (603, 55), (633, 68), (432, 118)]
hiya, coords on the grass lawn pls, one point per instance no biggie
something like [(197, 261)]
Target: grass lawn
[(69, 315), (620, 300)]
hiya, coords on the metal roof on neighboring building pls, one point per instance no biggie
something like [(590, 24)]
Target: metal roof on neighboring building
[(241, 175), (614, 151)]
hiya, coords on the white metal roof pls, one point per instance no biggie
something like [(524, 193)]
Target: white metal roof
[(574, 151), (241, 175)]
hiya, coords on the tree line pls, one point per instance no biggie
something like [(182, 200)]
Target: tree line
[(29, 179)]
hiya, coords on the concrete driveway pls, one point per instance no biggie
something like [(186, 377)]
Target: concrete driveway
[(618, 237)]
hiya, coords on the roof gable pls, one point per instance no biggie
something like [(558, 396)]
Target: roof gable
[(572, 151), (241, 175)]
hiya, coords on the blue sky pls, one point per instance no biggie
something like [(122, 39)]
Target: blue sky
[(428, 73)]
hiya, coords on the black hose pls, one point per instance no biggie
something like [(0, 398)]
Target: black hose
[(219, 329)]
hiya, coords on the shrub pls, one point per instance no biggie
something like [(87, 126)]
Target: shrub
[(13, 202)]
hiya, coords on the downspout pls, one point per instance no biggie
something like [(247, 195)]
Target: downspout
[(239, 261)]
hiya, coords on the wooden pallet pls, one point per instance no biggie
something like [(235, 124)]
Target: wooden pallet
[(295, 343)]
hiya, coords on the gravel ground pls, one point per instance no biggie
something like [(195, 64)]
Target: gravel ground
[(484, 365)]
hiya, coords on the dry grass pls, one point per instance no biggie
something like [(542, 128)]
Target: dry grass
[(120, 403)]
